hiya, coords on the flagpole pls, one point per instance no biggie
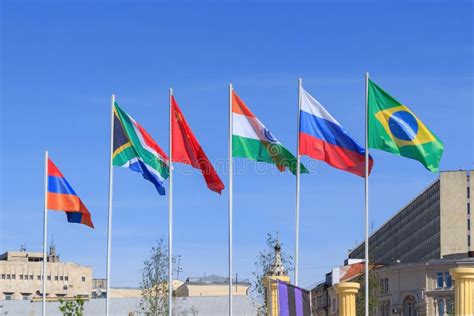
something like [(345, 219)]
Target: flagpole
[(109, 224), (366, 194), (170, 210), (230, 197), (297, 212), (45, 229)]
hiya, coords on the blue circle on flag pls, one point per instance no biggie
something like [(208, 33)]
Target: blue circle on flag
[(269, 135), (403, 125)]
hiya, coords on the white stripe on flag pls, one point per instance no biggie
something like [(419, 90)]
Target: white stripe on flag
[(311, 105)]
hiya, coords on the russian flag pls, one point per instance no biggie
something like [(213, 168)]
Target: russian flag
[(323, 138), (62, 197)]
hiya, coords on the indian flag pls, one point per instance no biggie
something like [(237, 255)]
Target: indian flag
[(252, 140), (136, 150)]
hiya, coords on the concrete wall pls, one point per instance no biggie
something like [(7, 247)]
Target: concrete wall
[(453, 214)]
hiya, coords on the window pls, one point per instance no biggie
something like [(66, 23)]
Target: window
[(439, 280), (8, 296), (21, 276), (13, 276), (83, 279), (31, 276), (3, 276), (468, 192), (66, 278), (386, 286), (447, 279), (48, 278), (468, 224), (26, 297), (8, 277), (468, 208), (334, 305), (61, 278), (56, 278), (38, 277), (382, 287), (469, 240)]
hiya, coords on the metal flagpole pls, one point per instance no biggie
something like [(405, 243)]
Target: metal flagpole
[(230, 197), (170, 212), (45, 228), (366, 194), (297, 212), (109, 224)]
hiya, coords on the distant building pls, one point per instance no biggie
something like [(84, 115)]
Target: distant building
[(20, 276), (212, 285), (435, 224), (99, 289)]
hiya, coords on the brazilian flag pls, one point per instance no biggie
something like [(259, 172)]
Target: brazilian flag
[(396, 129)]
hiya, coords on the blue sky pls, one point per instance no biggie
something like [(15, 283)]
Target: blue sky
[(61, 61)]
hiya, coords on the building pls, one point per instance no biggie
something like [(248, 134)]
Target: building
[(99, 289), (212, 285), (21, 276), (435, 224), (412, 254)]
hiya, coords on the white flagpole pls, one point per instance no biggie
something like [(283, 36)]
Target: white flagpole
[(45, 228), (366, 194), (297, 212), (170, 212), (230, 197), (109, 224)]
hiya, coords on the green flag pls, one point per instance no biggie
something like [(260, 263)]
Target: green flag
[(393, 127)]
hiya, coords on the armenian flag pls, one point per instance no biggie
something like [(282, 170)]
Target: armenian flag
[(252, 140), (136, 150), (62, 197), (323, 138), (393, 127)]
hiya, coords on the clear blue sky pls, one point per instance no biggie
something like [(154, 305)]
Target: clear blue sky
[(61, 61)]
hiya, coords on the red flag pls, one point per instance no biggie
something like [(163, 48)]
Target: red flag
[(186, 149)]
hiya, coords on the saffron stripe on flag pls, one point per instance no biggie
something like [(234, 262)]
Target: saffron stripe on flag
[(63, 202)]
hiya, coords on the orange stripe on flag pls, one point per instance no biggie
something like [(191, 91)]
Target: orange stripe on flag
[(63, 202), (239, 107)]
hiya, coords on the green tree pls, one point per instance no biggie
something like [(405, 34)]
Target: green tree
[(154, 283), (263, 264), (72, 308), (373, 293)]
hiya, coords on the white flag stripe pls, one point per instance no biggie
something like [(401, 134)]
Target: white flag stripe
[(311, 105), (143, 143), (248, 127)]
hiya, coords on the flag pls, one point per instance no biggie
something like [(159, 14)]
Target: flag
[(62, 197), (393, 127), (292, 300), (187, 150), (252, 140), (136, 150), (323, 138)]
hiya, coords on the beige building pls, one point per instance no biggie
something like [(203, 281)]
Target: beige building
[(21, 276), (212, 285), (435, 224)]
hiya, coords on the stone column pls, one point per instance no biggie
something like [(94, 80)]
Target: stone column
[(346, 293), (463, 290)]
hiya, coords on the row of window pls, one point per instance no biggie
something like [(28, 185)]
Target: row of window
[(38, 277), (443, 280)]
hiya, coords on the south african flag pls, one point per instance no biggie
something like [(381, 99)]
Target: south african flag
[(136, 150)]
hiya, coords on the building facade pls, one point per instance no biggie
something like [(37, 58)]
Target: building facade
[(21, 277), (437, 223)]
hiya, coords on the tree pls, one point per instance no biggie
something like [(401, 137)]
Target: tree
[(72, 308), (373, 292), (265, 259), (154, 284)]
